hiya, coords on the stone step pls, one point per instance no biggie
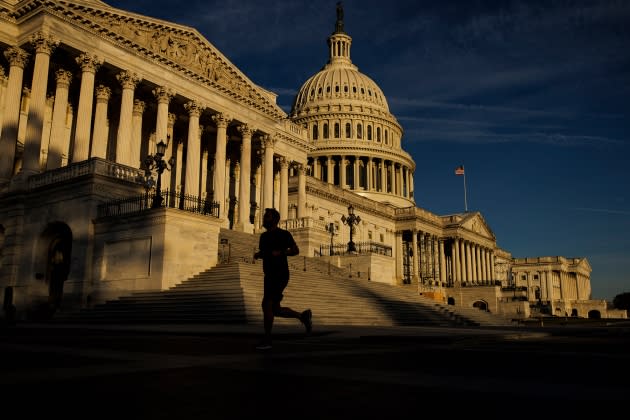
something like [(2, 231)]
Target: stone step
[(232, 292)]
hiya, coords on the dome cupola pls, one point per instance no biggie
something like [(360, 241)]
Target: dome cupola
[(357, 140)]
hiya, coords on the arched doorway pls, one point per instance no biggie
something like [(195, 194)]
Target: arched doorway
[(56, 247), (481, 305), (594, 314)]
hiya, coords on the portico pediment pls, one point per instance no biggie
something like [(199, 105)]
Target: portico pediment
[(475, 223), (583, 266), (183, 48)]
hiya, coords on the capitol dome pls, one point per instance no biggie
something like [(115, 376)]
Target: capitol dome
[(358, 142), (339, 80)]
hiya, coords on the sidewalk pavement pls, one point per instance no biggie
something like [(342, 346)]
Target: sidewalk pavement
[(205, 371)]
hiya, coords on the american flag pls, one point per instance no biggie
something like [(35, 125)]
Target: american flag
[(459, 170)]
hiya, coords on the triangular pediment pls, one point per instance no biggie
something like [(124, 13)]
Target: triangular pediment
[(474, 222), (583, 264), (181, 47)]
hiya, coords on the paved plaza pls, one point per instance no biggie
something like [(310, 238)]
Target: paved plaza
[(214, 372)]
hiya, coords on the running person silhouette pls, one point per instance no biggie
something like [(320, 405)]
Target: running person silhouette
[(276, 244)]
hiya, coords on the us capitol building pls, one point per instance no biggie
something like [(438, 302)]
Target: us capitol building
[(129, 143)]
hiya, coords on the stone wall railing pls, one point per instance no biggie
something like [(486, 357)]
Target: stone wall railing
[(93, 166)]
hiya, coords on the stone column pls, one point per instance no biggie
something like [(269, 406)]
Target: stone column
[(222, 121), (392, 178), (316, 168), (44, 46), (10, 120), (469, 277), (486, 265), (191, 186), (163, 96), (416, 278), (284, 188), (100, 134), (124, 143), (368, 172), (475, 262), (89, 64), (301, 208), (60, 112), (330, 176), (171, 148), (480, 266), (456, 269), (382, 176), (356, 185), (268, 144), (398, 255), (136, 134), (245, 178), (204, 171), (3, 89), (178, 149), (342, 172), (442, 261)]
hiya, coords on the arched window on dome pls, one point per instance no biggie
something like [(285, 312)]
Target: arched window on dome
[(369, 132), (354, 89), (345, 89), (327, 89), (359, 131), (325, 130), (312, 93), (315, 133), (348, 130), (337, 89), (386, 139), (319, 91), (378, 134), (337, 130), (362, 91)]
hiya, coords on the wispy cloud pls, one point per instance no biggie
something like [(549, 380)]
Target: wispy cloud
[(607, 211)]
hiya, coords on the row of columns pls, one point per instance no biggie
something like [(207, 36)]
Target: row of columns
[(128, 137), (380, 174), (471, 262), (468, 262), (555, 284)]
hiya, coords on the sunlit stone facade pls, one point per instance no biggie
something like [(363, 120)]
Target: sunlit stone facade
[(88, 91)]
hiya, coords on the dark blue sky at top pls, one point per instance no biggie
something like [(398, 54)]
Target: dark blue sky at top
[(533, 97)]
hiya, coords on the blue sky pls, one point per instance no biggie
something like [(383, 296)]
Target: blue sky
[(532, 97)]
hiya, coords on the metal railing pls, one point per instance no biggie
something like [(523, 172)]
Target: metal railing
[(366, 247), (170, 199)]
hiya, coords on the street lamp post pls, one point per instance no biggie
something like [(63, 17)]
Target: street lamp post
[(351, 220), (159, 164)]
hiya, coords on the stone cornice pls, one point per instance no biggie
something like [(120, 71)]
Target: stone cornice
[(353, 150), (179, 47)]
